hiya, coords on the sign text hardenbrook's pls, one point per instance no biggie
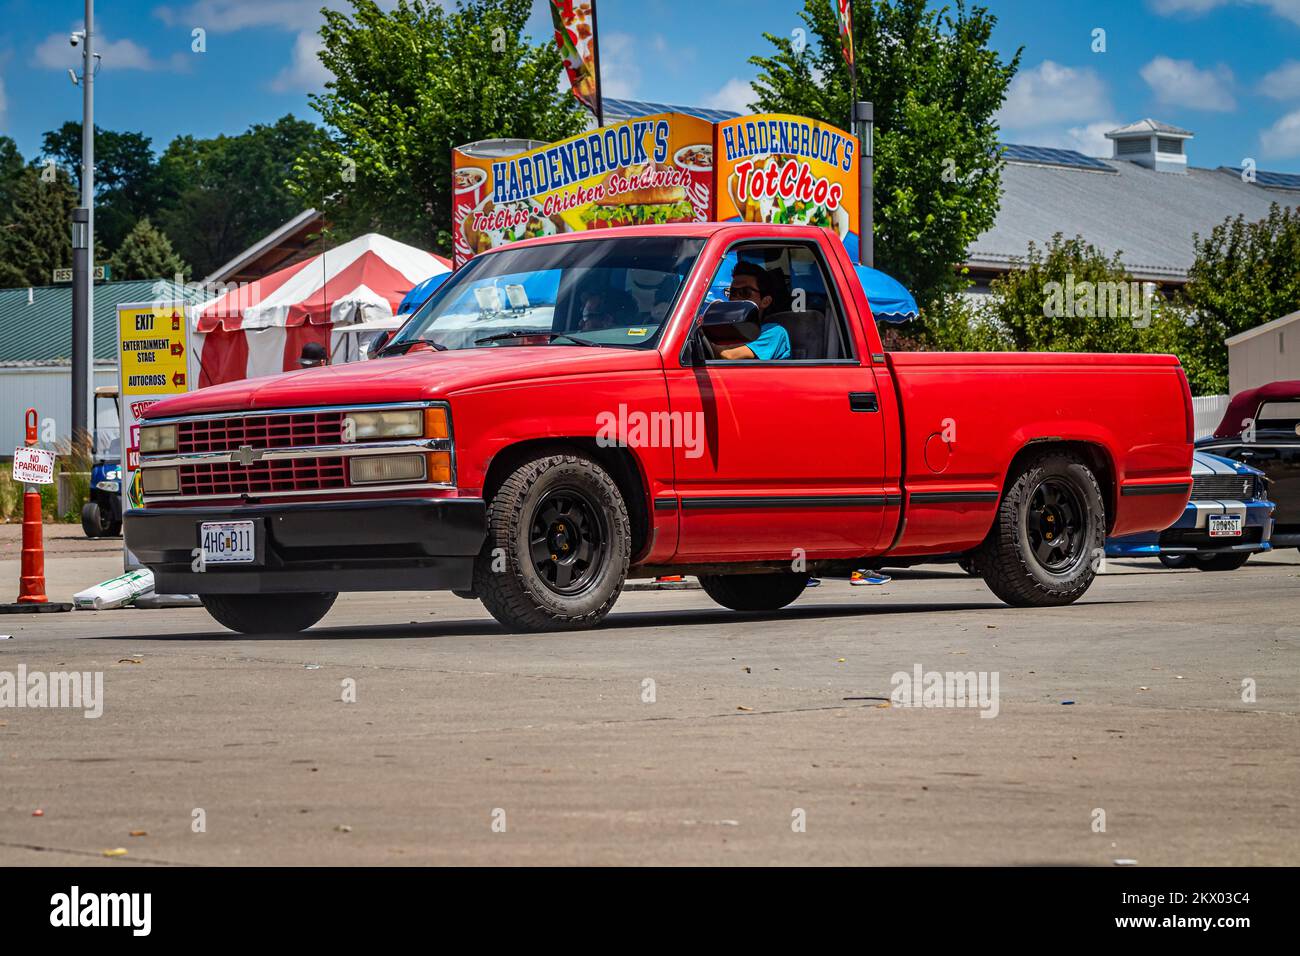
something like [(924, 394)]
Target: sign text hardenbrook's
[(603, 151), (77, 690), (947, 689), (74, 908)]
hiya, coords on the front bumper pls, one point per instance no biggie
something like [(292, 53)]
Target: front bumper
[(408, 544), (1191, 535)]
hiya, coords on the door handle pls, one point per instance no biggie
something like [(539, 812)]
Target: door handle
[(863, 402)]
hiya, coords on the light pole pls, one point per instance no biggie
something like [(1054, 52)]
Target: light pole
[(83, 244), (865, 119)]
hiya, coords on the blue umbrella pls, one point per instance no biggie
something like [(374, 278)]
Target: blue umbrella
[(888, 298), (420, 294)]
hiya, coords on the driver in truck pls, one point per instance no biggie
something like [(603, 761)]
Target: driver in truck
[(764, 288)]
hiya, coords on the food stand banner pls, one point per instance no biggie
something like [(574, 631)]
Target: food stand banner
[(788, 169), (652, 169)]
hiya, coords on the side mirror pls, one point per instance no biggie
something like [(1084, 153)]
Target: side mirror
[(729, 312)]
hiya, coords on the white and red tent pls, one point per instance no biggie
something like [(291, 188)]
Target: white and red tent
[(260, 328)]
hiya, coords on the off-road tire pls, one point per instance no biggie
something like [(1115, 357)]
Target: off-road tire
[(268, 613), (754, 592), (515, 592), (1011, 567)]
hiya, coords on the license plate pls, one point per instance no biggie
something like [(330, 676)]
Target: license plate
[(1225, 526), (228, 542)]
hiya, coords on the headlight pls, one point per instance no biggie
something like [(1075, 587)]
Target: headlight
[(156, 438), (367, 426), (373, 469), (108, 485), (160, 481)]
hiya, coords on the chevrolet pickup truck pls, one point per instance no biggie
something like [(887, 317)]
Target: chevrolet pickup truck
[(556, 419)]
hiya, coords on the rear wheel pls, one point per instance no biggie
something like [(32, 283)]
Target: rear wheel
[(558, 546), (754, 592), (268, 613), (1049, 529), (1219, 562)]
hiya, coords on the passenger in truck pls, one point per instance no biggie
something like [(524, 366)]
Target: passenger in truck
[(766, 289)]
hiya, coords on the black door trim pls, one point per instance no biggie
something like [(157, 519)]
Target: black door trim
[(791, 501)]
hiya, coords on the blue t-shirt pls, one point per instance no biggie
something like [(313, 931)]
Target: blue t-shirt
[(772, 343)]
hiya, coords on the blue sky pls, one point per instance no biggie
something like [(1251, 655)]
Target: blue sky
[(1229, 70)]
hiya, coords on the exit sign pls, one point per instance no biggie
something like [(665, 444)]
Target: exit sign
[(64, 276)]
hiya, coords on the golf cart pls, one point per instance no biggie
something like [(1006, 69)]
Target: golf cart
[(102, 514)]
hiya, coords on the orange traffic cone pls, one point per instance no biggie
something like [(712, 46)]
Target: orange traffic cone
[(31, 573)]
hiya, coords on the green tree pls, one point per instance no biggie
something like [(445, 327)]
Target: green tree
[(935, 85), (37, 238), (1066, 297), (1245, 274), (11, 171), (127, 186), (146, 253), (220, 195), (409, 85)]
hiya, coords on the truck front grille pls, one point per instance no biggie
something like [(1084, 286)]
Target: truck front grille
[(284, 430), (261, 477), (1234, 487)]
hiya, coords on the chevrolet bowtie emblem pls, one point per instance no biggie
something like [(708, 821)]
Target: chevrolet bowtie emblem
[(247, 454)]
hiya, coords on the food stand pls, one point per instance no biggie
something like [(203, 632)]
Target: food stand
[(664, 168)]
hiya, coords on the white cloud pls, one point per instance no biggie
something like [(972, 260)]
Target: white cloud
[(1089, 139), (56, 53), (735, 95), (619, 73), (1182, 83), (1287, 9), (1167, 7), (1282, 83), (305, 71), (225, 16), (1050, 94), (1282, 139)]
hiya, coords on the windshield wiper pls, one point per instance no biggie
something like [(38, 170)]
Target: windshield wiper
[(401, 348), (523, 334)]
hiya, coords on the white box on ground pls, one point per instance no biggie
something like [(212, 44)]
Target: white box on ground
[(33, 466)]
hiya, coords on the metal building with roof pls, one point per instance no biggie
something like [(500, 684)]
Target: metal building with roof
[(36, 349), (1145, 202)]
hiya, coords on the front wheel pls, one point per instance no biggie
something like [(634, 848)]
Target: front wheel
[(558, 546), (94, 522), (1219, 562), (268, 613), (1174, 561), (754, 592), (1049, 531)]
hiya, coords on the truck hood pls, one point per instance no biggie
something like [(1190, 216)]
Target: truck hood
[(406, 378)]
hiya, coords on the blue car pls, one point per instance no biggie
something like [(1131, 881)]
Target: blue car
[(1228, 518)]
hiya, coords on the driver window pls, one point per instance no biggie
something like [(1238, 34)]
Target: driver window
[(799, 317)]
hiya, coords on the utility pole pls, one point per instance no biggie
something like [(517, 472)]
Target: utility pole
[(83, 244)]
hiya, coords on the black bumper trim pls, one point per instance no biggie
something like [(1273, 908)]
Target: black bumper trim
[(1171, 488), (372, 545)]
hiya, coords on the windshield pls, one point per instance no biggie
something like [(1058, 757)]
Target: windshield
[(603, 292)]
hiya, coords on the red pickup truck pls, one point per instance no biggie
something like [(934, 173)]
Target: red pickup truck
[(557, 419)]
